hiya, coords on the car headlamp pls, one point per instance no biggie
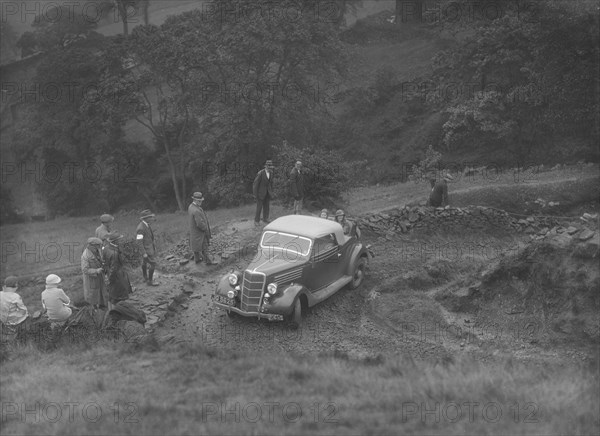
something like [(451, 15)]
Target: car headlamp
[(272, 288), (233, 279), (231, 294)]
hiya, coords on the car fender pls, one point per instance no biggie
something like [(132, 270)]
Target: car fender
[(283, 302), (359, 251), (223, 286)]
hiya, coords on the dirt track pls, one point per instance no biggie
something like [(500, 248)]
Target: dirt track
[(382, 317)]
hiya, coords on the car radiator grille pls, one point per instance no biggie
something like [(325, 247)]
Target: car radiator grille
[(253, 285)]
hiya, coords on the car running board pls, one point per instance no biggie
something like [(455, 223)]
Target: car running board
[(328, 291)]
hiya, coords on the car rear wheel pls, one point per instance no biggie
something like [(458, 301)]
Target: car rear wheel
[(359, 273)]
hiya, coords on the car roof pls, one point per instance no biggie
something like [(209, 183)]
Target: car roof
[(303, 225)]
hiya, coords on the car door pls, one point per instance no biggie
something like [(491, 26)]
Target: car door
[(323, 265)]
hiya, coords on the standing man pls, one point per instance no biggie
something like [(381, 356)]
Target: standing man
[(105, 228), (92, 267), (438, 197), (263, 192), (297, 186), (145, 236), (199, 230), (119, 286)]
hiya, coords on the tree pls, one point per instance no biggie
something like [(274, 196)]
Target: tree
[(229, 81), (8, 40), (528, 78)]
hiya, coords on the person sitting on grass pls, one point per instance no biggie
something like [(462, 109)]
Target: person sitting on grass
[(55, 301), (12, 310)]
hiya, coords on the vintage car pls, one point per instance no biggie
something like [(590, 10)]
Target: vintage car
[(301, 261)]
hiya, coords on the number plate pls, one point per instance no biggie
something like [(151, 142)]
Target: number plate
[(222, 299)]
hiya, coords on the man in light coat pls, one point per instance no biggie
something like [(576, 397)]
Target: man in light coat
[(145, 236), (262, 188), (199, 230), (92, 267), (297, 186)]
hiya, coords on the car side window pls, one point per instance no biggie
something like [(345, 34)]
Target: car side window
[(324, 244)]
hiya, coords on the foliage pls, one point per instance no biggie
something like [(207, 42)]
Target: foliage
[(327, 174), (429, 164), (219, 89), (534, 77)]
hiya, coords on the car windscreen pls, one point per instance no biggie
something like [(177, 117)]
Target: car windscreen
[(285, 241)]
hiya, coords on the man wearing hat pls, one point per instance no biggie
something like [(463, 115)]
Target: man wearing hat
[(438, 197), (92, 267), (55, 301), (12, 310), (105, 228), (145, 236), (199, 230), (263, 192), (119, 286), (340, 217), (297, 186)]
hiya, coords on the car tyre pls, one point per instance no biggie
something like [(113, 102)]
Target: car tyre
[(296, 318), (358, 275)]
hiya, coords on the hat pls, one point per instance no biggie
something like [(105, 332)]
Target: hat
[(146, 214), (53, 279), (197, 196), (113, 236), (106, 218), (339, 212), (11, 282), (94, 241)]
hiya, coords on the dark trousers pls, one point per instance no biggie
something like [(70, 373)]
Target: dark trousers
[(148, 266), (264, 206), (205, 256)]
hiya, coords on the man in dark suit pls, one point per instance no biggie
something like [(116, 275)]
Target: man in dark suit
[(199, 230), (145, 236), (297, 186), (263, 192)]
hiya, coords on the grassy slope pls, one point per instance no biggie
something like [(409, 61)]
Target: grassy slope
[(172, 391)]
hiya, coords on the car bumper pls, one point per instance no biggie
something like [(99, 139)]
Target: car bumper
[(259, 315)]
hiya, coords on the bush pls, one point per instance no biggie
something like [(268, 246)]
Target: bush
[(327, 174)]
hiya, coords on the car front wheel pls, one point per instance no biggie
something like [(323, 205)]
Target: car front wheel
[(296, 317), (359, 273)]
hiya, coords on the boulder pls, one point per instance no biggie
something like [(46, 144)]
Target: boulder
[(585, 235)]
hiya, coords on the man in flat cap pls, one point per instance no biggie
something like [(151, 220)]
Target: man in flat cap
[(104, 229), (199, 230), (12, 310), (263, 192), (92, 267), (145, 236)]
